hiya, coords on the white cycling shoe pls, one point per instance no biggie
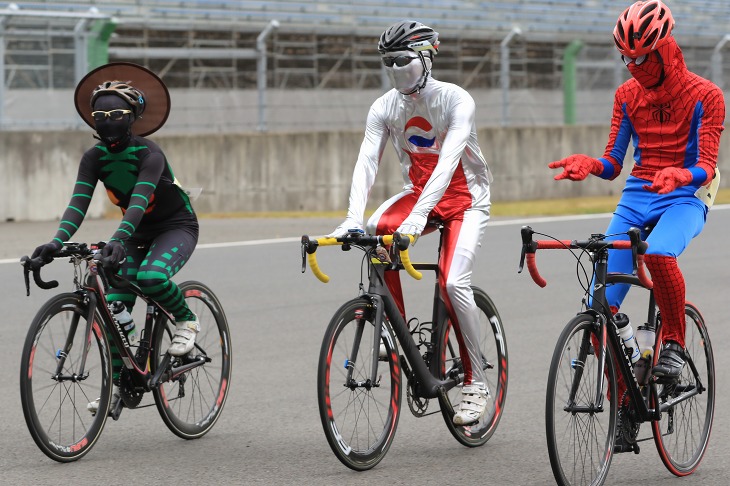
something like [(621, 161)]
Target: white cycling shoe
[(93, 407), (473, 404), (184, 339)]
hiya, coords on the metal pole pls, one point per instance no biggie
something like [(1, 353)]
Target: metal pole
[(716, 62), (569, 81), (261, 71), (504, 72), (81, 63), (2, 70)]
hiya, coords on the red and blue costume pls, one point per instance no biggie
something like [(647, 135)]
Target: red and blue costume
[(675, 137), (674, 119)]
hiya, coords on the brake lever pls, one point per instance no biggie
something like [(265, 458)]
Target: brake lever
[(304, 254), (308, 247), (25, 261), (527, 243), (522, 259), (635, 237)]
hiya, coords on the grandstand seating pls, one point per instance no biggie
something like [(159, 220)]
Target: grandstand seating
[(700, 19), (330, 44)]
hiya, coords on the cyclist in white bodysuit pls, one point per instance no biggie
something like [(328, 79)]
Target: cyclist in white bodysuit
[(431, 125)]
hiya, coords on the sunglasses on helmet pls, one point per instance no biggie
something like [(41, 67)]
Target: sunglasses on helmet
[(399, 61), (636, 60), (114, 115)]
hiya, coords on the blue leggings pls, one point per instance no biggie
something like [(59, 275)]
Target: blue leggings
[(676, 218)]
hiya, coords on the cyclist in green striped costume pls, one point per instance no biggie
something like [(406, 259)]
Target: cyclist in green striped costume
[(159, 229)]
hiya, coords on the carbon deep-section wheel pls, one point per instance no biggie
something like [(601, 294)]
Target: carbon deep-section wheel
[(493, 346), (190, 403), (359, 410), (54, 389)]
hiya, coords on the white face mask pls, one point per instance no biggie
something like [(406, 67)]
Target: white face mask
[(407, 79)]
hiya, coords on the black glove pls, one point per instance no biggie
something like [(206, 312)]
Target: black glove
[(46, 251), (113, 253)]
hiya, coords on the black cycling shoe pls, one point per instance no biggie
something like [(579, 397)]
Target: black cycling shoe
[(670, 363)]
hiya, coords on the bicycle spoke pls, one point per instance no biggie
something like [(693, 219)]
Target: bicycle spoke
[(193, 414), (493, 349), (357, 409), (55, 408), (682, 435), (578, 437)]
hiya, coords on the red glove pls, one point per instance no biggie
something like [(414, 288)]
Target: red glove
[(668, 179), (577, 167)]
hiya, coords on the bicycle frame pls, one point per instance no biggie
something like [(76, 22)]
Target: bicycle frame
[(93, 294), (426, 385), (598, 310)]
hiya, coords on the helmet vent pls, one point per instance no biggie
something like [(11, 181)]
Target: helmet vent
[(650, 39)]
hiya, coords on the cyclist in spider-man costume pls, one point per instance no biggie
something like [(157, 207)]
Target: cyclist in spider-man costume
[(431, 125), (674, 119)]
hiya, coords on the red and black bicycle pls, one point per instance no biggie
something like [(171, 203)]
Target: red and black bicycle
[(67, 361), (586, 421)]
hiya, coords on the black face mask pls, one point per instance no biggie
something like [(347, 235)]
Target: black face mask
[(114, 133)]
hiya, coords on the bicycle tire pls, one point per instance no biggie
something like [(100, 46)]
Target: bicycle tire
[(191, 414), (580, 444), (682, 434), (493, 344), (55, 409), (359, 421)]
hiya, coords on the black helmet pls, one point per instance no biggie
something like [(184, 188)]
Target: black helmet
[(409, 35), (126, 91)]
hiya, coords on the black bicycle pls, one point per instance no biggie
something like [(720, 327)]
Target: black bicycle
[(67, 360), (359, 384), (586, 421)]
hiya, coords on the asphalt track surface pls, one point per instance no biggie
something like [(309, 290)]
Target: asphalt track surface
[(270, 431)]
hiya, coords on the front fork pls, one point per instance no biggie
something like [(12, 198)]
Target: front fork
[(374, 379), (88, 302), (578, 365)]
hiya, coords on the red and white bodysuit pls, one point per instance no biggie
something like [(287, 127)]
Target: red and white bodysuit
[(446, 178)]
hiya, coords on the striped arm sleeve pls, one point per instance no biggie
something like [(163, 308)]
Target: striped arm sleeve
[(78, 206)]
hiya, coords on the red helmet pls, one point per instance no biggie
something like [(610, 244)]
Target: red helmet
[(642, 28)]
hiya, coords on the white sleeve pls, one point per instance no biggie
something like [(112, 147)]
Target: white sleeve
[(461, 111), (366, 168)]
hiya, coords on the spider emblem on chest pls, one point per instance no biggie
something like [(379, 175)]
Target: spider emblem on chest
[(661, 113)]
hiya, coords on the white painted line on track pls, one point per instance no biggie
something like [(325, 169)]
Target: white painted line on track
[(250, 243), (505, 222)]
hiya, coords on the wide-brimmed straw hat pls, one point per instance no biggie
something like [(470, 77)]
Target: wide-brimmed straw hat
[(156, 96)]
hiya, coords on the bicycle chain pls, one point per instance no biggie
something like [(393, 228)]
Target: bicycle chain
[(628, 426)]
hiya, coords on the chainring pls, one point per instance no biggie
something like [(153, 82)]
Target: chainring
[(417, 405), (131, 395)]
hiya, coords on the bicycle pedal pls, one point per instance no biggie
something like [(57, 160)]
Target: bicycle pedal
[(620, 448), (117, 405)]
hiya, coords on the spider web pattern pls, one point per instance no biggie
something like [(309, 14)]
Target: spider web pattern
[(683, 131), (669, 291)]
